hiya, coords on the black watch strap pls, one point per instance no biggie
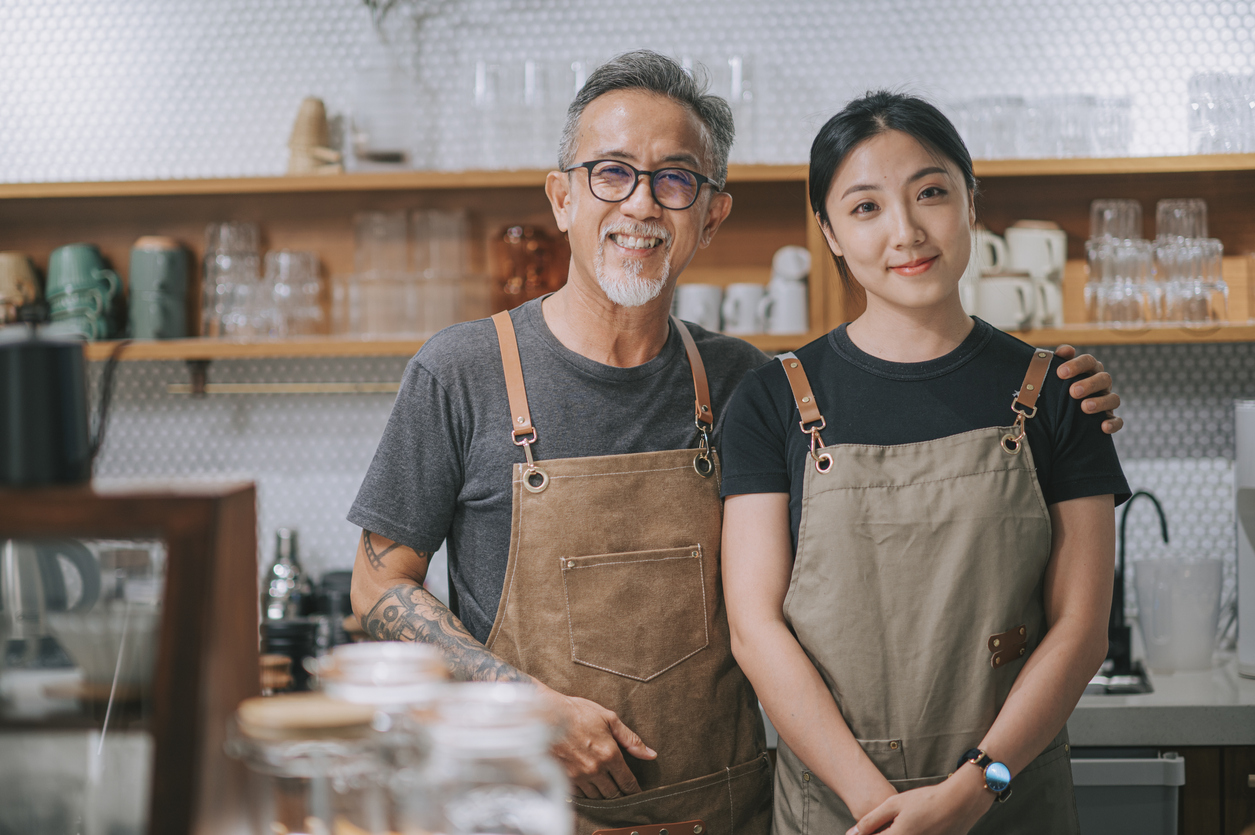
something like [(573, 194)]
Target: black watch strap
[(981, 760)]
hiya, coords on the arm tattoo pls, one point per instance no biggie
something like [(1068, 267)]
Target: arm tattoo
[(410, 613), (376, 557)]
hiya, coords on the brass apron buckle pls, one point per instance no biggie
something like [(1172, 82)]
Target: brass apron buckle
[(532, 471), (823, 460), (703, 463), (693, 827), (1013, 440)]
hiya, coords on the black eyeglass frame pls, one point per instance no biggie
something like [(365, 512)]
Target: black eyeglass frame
[(702, 180)]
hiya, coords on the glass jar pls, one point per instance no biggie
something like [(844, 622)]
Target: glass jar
[(490, 768), (316, 763)]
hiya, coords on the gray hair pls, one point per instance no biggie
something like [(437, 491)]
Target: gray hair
[(654, 73)]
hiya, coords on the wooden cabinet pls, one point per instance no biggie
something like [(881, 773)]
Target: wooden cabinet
[(206, 653), (1219, 791), (770, 210)]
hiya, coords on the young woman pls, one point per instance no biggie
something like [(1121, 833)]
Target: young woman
[(919, 530)]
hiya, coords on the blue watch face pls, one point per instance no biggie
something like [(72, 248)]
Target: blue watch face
[(997, 776)]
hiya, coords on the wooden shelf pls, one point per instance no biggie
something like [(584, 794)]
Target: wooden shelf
[(407, 180), (1090, 335), (325, 346), (1185, 164), (387, 181)]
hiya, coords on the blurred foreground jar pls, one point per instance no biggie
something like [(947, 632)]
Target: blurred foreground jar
[(316, 764), (490, 769)]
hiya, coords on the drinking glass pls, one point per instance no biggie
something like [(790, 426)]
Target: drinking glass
[(1181, 219), (995, 124), (1216, 119), (380, 242), (296, 288), (1115, 218), (1190, 272), (1120, 290), (231, 271), (1113, 126)]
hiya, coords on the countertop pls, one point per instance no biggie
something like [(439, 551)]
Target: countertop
[(1208, 707)]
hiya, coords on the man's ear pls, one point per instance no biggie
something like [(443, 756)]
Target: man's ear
[(558, 190), (829, 237), (716, 213)]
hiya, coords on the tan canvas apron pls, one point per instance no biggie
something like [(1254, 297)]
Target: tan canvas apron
[(917, 593), (612, 593)]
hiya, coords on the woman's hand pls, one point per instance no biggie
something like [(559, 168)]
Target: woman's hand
[(951, 807), (1094, 390)]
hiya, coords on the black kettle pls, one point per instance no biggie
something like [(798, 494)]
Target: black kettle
[(45, 438)]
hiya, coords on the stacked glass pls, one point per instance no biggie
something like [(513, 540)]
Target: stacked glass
[(231, 278), (295, 292), (1189, 266), (1120, 289)]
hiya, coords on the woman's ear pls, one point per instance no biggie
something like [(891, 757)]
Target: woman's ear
[(826, 228), (971, 209)]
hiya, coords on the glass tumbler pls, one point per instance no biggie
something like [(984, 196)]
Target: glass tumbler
[(1185, 218), (1190, 273), (231, 273), (1120, 290), (1115, 218), (293, 282)]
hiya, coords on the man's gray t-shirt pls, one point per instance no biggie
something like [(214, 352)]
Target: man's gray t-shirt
[(443, 467)]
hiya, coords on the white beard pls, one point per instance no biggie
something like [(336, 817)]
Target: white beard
[(626, 287)]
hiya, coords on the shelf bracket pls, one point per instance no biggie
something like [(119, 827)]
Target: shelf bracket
[(198, 370)]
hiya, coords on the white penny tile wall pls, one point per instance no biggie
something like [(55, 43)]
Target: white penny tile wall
[(133, 89)]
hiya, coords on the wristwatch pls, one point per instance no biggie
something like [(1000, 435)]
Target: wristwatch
[(997, 775)]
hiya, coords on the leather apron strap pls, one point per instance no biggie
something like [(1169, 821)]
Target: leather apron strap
[(521, 416), (1030, 389), (812, 421)]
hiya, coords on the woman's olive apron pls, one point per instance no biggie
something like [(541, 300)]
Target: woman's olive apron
[(612, 593), (917, 591)]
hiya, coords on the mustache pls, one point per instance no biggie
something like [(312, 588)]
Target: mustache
[(637, 230)]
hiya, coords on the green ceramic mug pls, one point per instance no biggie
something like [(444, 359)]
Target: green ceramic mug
[(76, 267), (82, 323), (76, 300), (158, 289)]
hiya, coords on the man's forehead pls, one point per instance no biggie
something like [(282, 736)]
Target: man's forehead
[(626, 124)]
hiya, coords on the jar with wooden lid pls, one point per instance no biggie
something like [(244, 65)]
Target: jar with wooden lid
[(316, 763), (490, 769)]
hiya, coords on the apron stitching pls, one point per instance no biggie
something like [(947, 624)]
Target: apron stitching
[(754, 773), (731, 811), (511, 560), (964, 435), (934, 481), (627, 675), (623, 472), (627, 562)]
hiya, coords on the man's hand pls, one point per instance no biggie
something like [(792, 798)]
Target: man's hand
[(1095, 391), (590, 747)]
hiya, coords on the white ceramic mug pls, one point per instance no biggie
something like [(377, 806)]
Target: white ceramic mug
[(1048, 306), (1037, 249), (740, 308), (991, 250), (1007, 301), (699, 304), (790, 263), (784, 308)]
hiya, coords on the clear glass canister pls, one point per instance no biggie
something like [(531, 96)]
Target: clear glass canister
[(490, 769), (316, 762)]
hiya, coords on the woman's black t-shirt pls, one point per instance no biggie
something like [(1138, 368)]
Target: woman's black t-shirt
[(866, 400)]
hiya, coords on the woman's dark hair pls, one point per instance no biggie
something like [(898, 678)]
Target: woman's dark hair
[(872, 115)]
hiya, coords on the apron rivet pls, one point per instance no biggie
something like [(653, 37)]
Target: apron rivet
[(520, 420), (806, 400), (1030, 386), (894, 745), (1023, 630), (997, 642), (1021, 650), (695, 553), (793, 365), (1067, 747), (705, 409), (662, 832), (1041, 355), (697, 830)]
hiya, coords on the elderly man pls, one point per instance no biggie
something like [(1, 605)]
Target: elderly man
[(566, 453)]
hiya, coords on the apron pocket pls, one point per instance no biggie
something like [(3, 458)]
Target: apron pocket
[(636, 614), (735, 801), (886, 755)]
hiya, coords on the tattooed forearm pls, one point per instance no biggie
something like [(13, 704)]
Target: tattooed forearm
[(375, 557), (410, 613)]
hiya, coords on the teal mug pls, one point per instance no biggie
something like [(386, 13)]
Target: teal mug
[(80, 267), (83, 325), (76, 300), (158, 289)]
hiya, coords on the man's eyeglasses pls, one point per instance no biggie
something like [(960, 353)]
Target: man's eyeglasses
[(673, 188)]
